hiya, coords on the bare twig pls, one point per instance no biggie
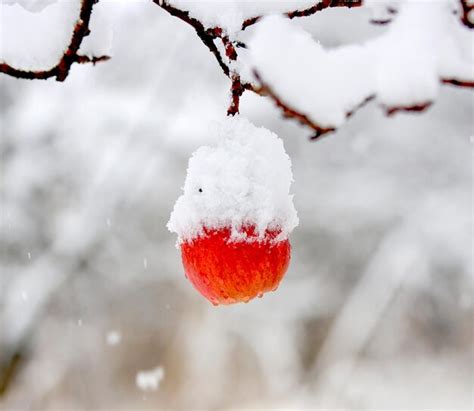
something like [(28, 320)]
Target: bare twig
[(458, 82), (94, 60), (237, 89), (390, 111), (70, 56)]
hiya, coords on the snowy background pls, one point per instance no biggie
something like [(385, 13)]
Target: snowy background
[(95, 312)]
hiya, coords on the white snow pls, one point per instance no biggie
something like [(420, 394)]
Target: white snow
[(470, 16), (323, 83), (403, 67), (36, 40), (99, 41), (230, 14), (380, 9), (150, 380), (406, 57), (113, 337), (34, 34), (109, 144), (243, 180), (31, 5)]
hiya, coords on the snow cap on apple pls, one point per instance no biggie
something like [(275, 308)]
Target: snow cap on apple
[(244, 180), (236, 213)]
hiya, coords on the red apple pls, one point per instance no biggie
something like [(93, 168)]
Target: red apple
[(227, 271)]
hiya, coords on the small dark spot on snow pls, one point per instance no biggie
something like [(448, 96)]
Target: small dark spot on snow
[(200, 190)]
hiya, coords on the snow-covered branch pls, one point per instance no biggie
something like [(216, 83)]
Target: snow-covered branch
[(207, 35), (402, 69), (309, 11), (58, 13), (223, 21), (467, 15), (427, 44)]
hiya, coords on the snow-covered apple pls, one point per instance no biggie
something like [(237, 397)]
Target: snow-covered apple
[(235, 215)]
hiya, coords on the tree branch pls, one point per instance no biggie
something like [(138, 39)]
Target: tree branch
[(70, 56), (305, 119), (390, 111), (324, 4), (467, 8), (237, 89), (86, 59), (289, 111), (458, 82), (207, 36)]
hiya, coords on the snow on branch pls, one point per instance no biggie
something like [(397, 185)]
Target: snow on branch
[(467, 15), (32, 33), (207, 35), (402, 69), (324, 4), (232, 16), (424, 47), (427, 44), (216, 20)]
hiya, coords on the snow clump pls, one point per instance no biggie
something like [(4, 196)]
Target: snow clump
[(242, 181)]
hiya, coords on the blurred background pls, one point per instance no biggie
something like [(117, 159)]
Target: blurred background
[(375, 312)]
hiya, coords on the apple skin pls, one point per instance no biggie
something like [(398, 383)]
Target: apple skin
[(228, 272)]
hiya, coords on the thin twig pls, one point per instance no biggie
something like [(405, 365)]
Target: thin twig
[(390, 111), (237, 89), (207, 36), (305, 119), (458, 82), (94, 60), (324, 4)]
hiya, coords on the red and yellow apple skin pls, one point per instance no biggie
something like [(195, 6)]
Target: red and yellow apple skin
[(226, 271)]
